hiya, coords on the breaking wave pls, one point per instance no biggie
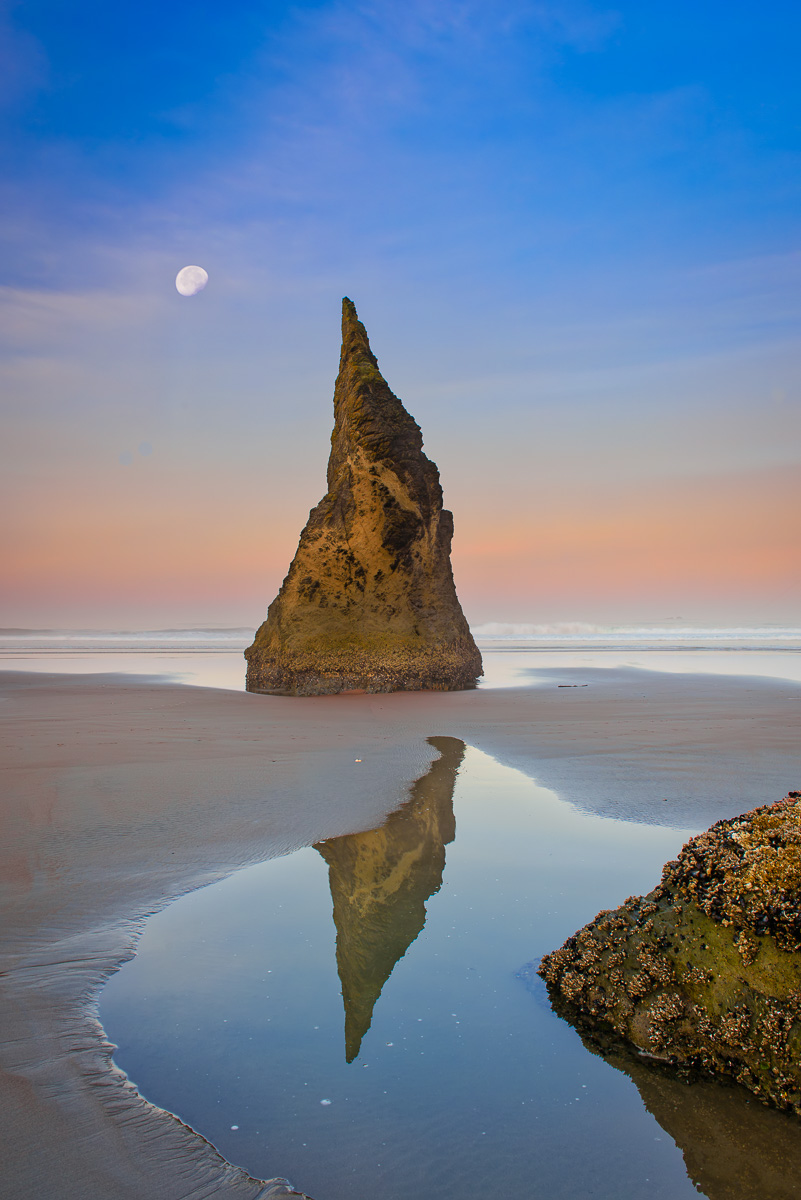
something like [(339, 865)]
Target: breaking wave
[(658, 636), (553, 635), (125, 640)]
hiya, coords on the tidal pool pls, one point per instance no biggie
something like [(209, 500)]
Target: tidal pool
[(406, 1048)]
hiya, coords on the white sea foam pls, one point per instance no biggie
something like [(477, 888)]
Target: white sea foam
[(54, 640), (657, 636), (553, 635)]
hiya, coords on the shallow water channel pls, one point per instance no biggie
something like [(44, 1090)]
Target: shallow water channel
[(406, 1048)]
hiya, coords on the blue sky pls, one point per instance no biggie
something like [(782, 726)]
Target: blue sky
[(572, 231), (594, 132)]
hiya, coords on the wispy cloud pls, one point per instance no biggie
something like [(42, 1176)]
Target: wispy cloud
[(575, 256)]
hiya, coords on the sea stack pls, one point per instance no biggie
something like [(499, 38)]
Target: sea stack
[(704, 973), (369, 603)]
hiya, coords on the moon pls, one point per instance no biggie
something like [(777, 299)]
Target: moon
[(191, 280)]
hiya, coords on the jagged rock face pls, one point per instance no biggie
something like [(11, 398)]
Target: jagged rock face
[(369, 601), (380, 881), (703, 973)]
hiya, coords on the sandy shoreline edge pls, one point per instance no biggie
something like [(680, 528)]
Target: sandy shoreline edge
[(121, 795)]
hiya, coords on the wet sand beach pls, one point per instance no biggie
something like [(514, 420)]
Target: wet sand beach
[(121, 794)]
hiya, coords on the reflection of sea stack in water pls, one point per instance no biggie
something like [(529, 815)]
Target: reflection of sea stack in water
[(380, 882), (369, 601)]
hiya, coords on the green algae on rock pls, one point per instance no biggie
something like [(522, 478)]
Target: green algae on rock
[(369, 602), (703, 973)]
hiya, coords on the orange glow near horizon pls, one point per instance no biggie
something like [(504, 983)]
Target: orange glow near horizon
[(151, 560), (727, 539)]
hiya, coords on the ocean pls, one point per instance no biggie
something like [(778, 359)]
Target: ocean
[(213, 657)]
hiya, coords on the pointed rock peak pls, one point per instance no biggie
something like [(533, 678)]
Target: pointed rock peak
[(357, 363), (355, 342), (369, 601), (367, 413)]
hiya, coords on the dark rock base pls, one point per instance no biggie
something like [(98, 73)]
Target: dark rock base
[(448, 669)]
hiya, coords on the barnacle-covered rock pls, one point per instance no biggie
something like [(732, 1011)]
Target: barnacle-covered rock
[(703, 973)]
